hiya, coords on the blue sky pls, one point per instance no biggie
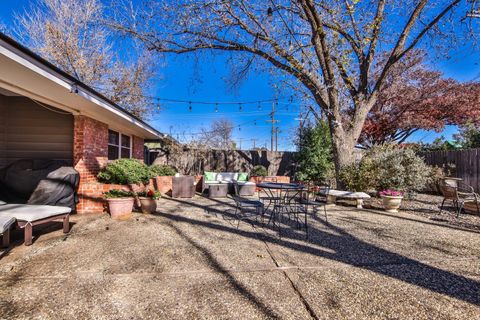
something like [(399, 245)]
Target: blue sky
[(180, 78)]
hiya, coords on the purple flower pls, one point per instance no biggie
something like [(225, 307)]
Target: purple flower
[(391, 193)]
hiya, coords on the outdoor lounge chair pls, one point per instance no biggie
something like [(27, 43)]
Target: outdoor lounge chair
[(460, 196), (27, 216), (5, 226)]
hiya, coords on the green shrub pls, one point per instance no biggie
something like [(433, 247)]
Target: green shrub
[(360, 176), (259, 171), (154, 194), (387, 167), (162, 170), (125, 171), (117, 193), (314, 156)]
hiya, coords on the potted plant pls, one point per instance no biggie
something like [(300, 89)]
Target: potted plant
[(163, 176), (392, 199), (148, 201), (120, 203)]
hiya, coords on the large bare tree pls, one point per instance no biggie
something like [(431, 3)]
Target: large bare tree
[(217, 136), (329, 47), (70, 34)]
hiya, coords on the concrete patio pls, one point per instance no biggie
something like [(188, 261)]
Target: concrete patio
[(190, 261)]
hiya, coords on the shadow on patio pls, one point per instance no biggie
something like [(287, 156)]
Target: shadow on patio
[(348, 249)]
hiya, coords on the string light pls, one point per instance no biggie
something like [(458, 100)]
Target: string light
[(190, 106), (216, 107), (240, 107)]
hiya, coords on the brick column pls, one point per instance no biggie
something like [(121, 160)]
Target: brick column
[(90, 154), (137, 145)]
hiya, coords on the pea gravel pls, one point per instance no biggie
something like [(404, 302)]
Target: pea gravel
[(190, 261)]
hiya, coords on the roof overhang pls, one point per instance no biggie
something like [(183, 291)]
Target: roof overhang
[(25, 73)]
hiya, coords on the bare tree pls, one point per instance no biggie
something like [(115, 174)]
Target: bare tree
[(328, 47), (70, 34), (218, 136)]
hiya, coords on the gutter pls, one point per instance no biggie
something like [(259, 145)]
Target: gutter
[(74, 85)]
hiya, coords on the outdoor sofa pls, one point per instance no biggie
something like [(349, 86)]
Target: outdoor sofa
[(245, 187), (26, 216)]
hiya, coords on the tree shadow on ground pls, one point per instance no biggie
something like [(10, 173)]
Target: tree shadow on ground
[(346, 248), (216, 265)]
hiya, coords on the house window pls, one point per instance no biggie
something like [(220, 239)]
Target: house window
[(119, 145)]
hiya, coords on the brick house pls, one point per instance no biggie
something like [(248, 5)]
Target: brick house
[(47, 114)]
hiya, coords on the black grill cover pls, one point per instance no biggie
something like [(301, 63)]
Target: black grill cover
[(57, 189)]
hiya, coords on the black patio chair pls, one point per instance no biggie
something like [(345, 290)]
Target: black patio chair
[(316, 191), (296, 204), (246, 208)]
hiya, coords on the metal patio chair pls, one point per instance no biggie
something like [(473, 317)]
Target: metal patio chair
[(246, 208)]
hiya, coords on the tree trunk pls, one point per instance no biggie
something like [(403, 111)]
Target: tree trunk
[(343, 151)]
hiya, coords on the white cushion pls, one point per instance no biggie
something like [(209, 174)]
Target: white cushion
[(245, 183), (30, 213), (5, 223), (227, 176), (2, 203), (212, 182)]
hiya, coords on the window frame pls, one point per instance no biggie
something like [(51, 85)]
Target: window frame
[(119, 146)]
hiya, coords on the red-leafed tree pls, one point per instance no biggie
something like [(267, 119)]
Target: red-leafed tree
[(415, 97)]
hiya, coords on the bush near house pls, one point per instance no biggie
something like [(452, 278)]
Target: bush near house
[(125, 171), (388, 167), (162, 170)]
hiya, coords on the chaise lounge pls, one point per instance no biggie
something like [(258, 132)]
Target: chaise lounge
[(27, 216)]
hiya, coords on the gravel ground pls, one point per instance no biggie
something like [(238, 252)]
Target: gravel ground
[(191, 261), (428, 206)]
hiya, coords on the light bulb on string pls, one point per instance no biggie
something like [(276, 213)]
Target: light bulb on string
[(240, 107), (216, 107), (190, 106), (259, 106)]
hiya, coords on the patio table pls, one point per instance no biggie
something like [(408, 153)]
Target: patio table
[(280, 196)]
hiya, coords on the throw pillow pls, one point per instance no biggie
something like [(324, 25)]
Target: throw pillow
[(242, 176), (210, 176)]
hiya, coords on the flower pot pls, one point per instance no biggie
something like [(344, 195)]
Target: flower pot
[(148, 205), (392, 203), (120, 208)]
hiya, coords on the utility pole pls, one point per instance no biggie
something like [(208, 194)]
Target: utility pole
[(273, 121), (254, 142), (276, 139), (240, 141)]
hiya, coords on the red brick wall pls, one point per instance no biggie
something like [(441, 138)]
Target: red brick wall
[(90, 154), (137, 152), (90, 147)]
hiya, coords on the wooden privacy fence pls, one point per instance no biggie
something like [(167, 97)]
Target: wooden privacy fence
[(463, 164)]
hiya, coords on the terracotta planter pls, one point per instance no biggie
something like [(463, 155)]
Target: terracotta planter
[(120, 208), (392, 203), (164, 183), (148, 205)]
